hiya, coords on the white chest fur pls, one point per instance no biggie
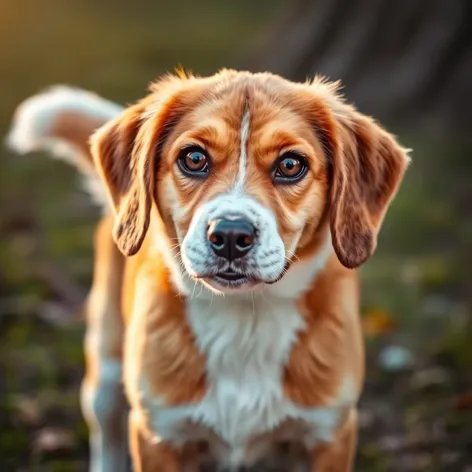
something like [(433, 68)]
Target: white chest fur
[(247, 341)]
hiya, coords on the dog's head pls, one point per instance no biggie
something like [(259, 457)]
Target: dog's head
[(246, 173)]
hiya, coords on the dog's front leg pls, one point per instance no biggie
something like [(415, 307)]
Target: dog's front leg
[(103, 401), (337, 456), (104, 407), (149, 455)]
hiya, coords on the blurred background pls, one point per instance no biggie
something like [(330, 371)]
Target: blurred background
[(407, 62)]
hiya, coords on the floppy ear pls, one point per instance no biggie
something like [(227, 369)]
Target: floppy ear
[(367, 167), (126, 164), (126, 152)]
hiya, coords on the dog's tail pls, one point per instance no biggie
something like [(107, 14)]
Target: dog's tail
[(60, 120)]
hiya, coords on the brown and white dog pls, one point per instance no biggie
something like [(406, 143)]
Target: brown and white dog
[(245, 200)]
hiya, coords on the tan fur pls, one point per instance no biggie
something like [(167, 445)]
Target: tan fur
[(354, 170), (177, 375), (331, 343), (339, 454)]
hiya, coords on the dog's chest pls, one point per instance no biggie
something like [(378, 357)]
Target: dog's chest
[(247, 343)]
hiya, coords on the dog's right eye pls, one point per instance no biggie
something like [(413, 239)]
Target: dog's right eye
[(193, 161)]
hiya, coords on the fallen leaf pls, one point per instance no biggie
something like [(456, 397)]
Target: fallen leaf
[(464, 401), (378, 322)]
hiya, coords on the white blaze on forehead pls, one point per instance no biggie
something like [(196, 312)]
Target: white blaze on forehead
[(241, 177)]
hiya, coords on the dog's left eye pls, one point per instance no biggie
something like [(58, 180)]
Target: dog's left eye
[(290, 168), (193, 161)]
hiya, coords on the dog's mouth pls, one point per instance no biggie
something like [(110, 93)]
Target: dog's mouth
[(230, 279), (230, 275)]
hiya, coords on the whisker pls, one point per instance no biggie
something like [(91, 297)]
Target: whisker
[(292, 254), (262, 295), (193, 291)]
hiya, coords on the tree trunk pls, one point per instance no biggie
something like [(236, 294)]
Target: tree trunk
[(406, 61)]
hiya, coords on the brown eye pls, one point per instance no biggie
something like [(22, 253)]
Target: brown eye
[(193, 161), (291, 168)]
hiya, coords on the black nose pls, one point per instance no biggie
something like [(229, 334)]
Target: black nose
[(231, 238)]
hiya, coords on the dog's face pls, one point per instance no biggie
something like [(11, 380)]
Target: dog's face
[(248, 172), (242, 180)]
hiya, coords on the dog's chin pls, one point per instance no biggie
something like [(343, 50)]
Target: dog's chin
[(220, 284), (231, 281)]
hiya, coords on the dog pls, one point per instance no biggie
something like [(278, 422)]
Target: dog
[(223, 328)]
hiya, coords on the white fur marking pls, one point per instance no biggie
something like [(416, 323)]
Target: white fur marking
[(244, 366), (241, 178)]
